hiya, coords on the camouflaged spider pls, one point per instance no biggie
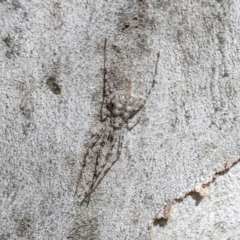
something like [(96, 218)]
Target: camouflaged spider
[(117, 109)]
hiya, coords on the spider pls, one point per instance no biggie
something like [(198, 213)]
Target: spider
[(104, 150)]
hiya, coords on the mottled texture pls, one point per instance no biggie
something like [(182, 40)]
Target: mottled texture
[(51, 62), (124, 107)]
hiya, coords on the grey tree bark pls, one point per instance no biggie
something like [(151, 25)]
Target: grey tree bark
[(52, 80)]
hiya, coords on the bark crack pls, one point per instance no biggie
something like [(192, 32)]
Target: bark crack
[(164, 214)]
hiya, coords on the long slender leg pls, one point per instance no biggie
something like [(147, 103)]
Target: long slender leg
[(120, 142), (130, 128), (106, 87), (91, 189), (154, 78), (98, 158), (92, 145), (142, 104), (153, 84), (104, 171)]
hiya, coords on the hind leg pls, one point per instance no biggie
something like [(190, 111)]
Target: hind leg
[(86, 156), (105, 169)]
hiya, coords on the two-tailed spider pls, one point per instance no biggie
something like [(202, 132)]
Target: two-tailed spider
[(118, 110)]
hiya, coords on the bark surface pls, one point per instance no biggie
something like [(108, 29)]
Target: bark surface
[(52, 91)]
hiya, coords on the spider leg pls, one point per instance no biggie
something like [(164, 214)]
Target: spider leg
[(98, 158), (104, 171), (152, 86), (154, 78), (104, 141), (130, 128), (91, 146), (106, 91), (143, 103), (86, 198), (97, 172)]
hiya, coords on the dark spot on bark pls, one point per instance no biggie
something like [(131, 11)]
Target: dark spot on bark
[(53, 86), (221, 38), (163, 4), (12, 49), (196, 197), (23, 224), (180, 36), (134, 21), (16, 4), (7, 41), (141, 15), (187, 116), (26, 108), (90, 226), (9, 54), (126, 25), (110, 138), (27, 128), (226, 74), (26, 112), (102, 144), (5, 236), (116, 49), (57, 5), (160, 222)]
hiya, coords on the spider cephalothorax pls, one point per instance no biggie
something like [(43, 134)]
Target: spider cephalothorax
[(117, 109)]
